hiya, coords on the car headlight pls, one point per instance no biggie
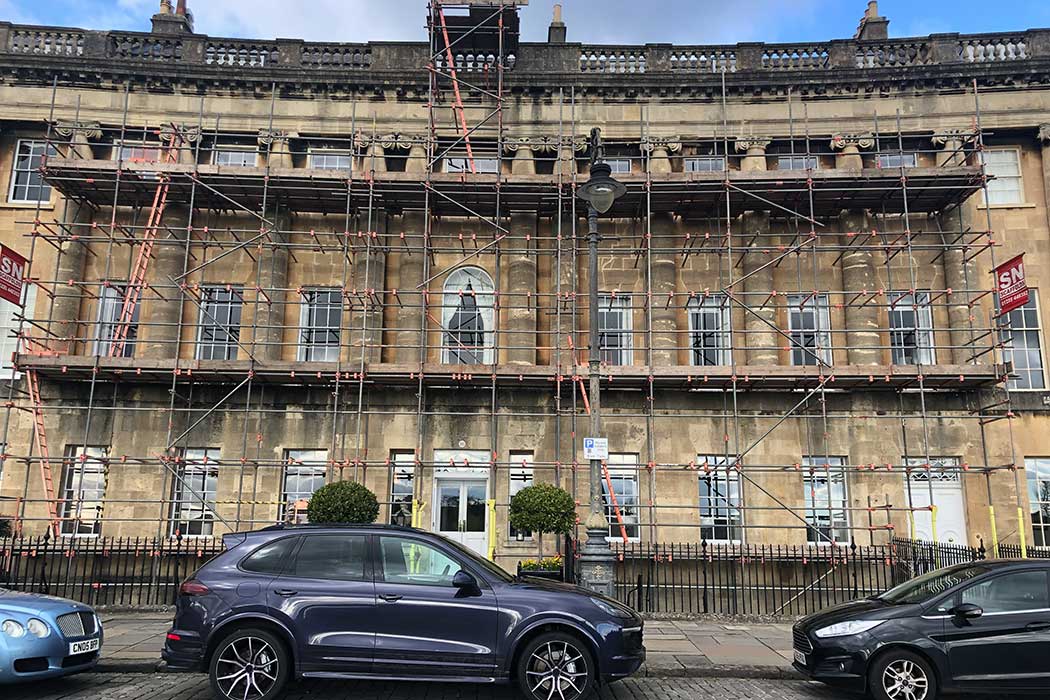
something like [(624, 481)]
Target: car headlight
[(13, 629), (845, 629), (613, 610), (38, 628)]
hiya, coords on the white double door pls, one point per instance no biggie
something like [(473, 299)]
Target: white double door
[(461, 497), (946, 492)]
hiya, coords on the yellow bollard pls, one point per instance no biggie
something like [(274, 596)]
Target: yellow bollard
[(1021, 533), (417, 514), (995, 531), (492, 529), (933, 522)]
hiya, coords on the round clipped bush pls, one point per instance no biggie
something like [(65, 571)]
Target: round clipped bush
[(343, 502), (543, 508)]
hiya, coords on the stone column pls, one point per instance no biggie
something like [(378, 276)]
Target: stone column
[(524, 162), (160, 308), (563, 281), (754, 150), (521, 283), (760, 321), (664, 278), (183, 139), (408, 304), (277, 147), (271, 308), (848, 147), (957, 272), (417, 157), (859, 275), (566, 163), (80, 135), (65, 315), (660, 149)]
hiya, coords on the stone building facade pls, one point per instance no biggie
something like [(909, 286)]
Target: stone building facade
[(257, 266)]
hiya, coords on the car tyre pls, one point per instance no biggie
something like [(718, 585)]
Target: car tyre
[(902, 675), (252, 660), (556, 666)]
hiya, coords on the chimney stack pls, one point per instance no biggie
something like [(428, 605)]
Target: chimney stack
[(872, 26), (557, 32), (177, 21)]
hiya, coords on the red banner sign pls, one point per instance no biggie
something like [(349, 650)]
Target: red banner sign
[(12, 267), (1009, 280)]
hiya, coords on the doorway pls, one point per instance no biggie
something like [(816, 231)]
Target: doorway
[(461, 512)]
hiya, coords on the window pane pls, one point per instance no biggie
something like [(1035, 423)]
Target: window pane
[(614, 329), (911, 328), (709, 330), (220, 323), (322, 311), (406, 561), (401, 489), (270, 558), (462, 165), (331, 160), (810, 321), (619, 165), (305, 473), (193, 493), (897, 160), (27, 184), (1037, 471), (706, 164), (468, 318), (234, 157), (797, 162), (1022, 345), (824, 494), (719, 499), (622, 509), (83, 490), (335, 557), (111, 321), (1025, 590), (520, 477), (1003, 167)]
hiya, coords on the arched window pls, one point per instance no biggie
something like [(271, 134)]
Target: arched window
[(468, 318)]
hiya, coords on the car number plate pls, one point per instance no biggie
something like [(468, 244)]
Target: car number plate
[(800, 658), (84, 646)]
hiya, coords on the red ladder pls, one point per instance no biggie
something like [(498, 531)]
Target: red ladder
[(41, 441), (465, 132), (133, 292)]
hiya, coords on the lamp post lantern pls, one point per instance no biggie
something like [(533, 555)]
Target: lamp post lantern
[(600, 192)]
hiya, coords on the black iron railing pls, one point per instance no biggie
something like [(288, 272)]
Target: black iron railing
[(104, 571)]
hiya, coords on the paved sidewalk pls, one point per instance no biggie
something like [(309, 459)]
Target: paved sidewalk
[(674, 648)]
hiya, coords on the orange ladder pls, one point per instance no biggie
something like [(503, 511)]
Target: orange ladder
[(41, 441)]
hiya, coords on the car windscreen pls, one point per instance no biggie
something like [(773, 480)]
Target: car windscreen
[(934, 583), (491, 567)]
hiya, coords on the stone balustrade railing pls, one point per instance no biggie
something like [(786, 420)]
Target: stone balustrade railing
[(258, 55)]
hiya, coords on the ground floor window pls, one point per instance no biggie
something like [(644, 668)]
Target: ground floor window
[(520, 477), (193, 493), (827, 514), (719, 498), (304, 473), (1038, 471), (622, 509), (402, 489), (83, 490)]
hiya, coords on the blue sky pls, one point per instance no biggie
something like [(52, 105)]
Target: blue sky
[(598, 21)]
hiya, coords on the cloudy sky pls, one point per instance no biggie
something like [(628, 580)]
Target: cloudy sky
[(599, 21)]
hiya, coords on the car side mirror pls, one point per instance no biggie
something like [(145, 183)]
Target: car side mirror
[(465, 582), (967, 611)]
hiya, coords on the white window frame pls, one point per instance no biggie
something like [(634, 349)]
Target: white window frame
[(483, 289), (308, 344), (9, 327), (313, 155), (693, 163), (110, 307), (231, 149), (197, 467), (905, 159), (820, 306), (73, 491), (998, 196), (900, 303), (831, 513), (47, 150), (520, 475), (721, 510), (1037, 476), (226, 329), (1007, 337), (403, 472), (619, 166), (299, 467), (461, 165), (791, 160), (622, 467), (620, 304), (711, 306)]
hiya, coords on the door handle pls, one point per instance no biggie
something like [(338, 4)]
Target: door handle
[(1037, 626), (390, 597), (285, 593)]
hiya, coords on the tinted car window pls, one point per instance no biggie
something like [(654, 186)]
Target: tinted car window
[(413, 562), (270, 558), (922, 588), (336, 557), (1024, 590)]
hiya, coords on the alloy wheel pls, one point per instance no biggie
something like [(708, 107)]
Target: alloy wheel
[(904, 679), (557, 671), (247, 669)]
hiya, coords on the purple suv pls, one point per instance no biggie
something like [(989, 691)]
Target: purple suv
[(390, 603)]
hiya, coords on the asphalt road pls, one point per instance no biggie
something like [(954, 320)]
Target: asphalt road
[(185, 686)]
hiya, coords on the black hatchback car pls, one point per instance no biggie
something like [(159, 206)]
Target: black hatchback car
[(390, 603), (982, 627)]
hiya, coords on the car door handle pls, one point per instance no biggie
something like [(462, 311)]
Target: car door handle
[(1037, 626), (285, 592), (390, 598)]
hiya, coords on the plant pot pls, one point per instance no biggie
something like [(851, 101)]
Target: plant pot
[(548, 574)]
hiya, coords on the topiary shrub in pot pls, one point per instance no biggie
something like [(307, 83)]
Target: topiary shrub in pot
[(343, 502), (541, 509)]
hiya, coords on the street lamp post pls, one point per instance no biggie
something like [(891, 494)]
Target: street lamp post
[(600, 192)]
